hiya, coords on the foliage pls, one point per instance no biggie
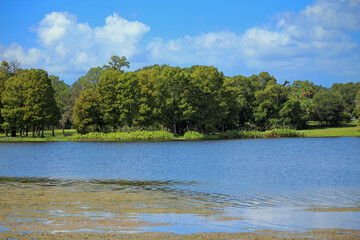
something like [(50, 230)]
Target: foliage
[(125, 136), (191, 135), (198, 99), (28, 100), (87, 111), (328, 108), (117, 63)]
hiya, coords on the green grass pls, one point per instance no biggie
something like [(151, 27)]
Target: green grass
[(47, 136), (125, 136), (345, 130)]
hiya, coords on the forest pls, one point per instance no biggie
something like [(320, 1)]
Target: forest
[(162, 97)]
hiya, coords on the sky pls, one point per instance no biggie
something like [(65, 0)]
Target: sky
[(315, 40)]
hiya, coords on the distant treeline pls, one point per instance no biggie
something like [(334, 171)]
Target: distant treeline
[(199, 98)]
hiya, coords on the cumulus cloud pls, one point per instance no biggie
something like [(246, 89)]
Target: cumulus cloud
[(27, 57), (67, 46), (316, 38)]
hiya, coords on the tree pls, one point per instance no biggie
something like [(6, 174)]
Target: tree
[(348, 92), (328, 107), (149, 111), (292, 115), (269, 102), (170, 85), (40, 105), (117, 63), (62, 94), (87, 111), (91, 79), (128, 94), (202, 99), (108, 97), (7, 70), (13, 99)]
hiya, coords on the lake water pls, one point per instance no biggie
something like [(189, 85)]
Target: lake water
[(266, 182)]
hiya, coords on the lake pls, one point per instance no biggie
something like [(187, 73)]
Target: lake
[(283, 184)]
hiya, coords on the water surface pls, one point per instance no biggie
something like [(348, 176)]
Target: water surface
[(269, 182)]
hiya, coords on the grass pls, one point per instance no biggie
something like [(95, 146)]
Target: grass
[(345, 130), (125, 136), (59, 136)]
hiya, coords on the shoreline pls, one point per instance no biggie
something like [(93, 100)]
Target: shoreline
[(346, 130), (42, 140), (344, 234)]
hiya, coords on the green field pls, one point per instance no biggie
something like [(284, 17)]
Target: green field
[(345, 130)]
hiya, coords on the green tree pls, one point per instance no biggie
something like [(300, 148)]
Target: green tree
[(203, 109), (348, 92), (292, 115), (117, 63), (108, 97), (7, 70), (62, 95), (128, 94), (13, 99), (91, 79), (246, 88), (269, 103), (40, 105), (87, 111), (328, 107), (170, 85)]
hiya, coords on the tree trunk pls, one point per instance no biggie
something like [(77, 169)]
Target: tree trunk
[(38, 131), (42, 130), (13, 133), (20, 132), (6, 133), (174, 127), (33, 131), (53, 130), (27, 131)]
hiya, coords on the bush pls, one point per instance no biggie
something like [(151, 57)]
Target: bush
[(193, 135), (126, 136), (276, 133)]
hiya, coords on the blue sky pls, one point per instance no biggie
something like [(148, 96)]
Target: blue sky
[(292, 40)]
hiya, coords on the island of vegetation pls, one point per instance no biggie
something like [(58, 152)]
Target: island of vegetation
[(168, 103)]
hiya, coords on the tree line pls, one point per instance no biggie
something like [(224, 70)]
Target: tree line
[(199, 98)]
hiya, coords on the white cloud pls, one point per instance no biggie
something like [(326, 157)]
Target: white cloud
[(316, 38), (30, 57), (67, 46)]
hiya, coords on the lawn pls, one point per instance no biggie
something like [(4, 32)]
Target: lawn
[(345, 130), (47, 136), (314, 130)]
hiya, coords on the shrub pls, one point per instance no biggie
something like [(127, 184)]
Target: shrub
[(125, 136), (190, 135)]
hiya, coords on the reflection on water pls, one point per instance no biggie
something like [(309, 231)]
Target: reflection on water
[(257, 184), (160, 206)]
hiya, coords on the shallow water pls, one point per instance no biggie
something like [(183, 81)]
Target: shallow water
[(268, 183)]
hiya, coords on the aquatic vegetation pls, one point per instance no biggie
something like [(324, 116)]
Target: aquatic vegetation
[(274, 133), (125, 136), (191, 135)]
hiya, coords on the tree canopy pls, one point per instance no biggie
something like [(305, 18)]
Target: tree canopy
[(198, 98)]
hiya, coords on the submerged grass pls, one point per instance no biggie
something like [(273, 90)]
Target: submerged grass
[(343, 234)]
